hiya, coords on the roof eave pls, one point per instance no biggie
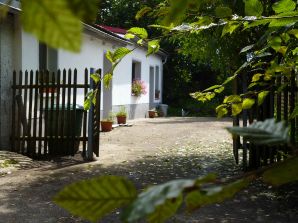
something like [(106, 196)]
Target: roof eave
[(14, 6), (106, 35)]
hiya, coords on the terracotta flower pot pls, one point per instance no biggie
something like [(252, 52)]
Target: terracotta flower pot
[(121, 119), (152, 114), (106, 126)]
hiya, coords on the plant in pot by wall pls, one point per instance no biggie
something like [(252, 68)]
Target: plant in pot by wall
[(107, 123), (138, 88), (152, 113), (159, 111), (121, 115)]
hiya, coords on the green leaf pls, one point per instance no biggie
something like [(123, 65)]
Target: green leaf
[(219, 90), (268, 132), (96, 77), (230, 27), (4, 9), (256, 77), (251, 85), (213, 87), (275, 43), (166, 210), (290, 18), (93, 99), (282, 173), (87, 104), (197, 199), (107, 78), (283, 50), (92, 199), (177, 10), (284, 6), (140, 32), (129, 36), (233, 99), (247, 48), (253, 7), (155, 196), (294, 32), (295, 51), (294, 113), (248, 103), (143, 11), (85, 10), (223, 12), (261, 96), (109, 56), (203, 21), (88, 100), (236, 109), (209, 95), (221, 110), (140, 42), (120, 53), (256, 23), (153, 47), (229, 79), (53, 23)]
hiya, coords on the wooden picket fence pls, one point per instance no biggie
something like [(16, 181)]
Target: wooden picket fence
[(46, 120), (278, 105)]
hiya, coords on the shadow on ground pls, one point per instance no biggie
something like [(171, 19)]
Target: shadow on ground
[(30, 201)]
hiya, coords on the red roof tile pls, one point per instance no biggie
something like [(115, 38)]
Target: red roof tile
[(113, 29)]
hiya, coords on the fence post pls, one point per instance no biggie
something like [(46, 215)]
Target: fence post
[(93, 121), (89, 154), (96, 119)]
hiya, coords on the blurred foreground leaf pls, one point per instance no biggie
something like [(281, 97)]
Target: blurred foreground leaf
[(92, 199), (268, 132), (197, 199), (283, 173), (53, 23)]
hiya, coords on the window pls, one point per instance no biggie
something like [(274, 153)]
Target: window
[(136, 71), (157, 84), (48, 58)]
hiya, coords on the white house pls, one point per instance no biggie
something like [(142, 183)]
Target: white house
[(22, 51)]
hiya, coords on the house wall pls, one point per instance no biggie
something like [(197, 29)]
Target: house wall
[(6, 67), (92, 56), (137, 107), (29, 52)]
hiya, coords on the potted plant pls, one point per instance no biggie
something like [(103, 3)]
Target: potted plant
[(152, 113), (159, 111), (138, 88), (107, 123), (121, 115)]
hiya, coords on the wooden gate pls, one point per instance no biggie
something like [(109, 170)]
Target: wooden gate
[(47, 120), (279, 104)]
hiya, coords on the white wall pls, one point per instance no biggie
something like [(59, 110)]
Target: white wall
[(122, 77), (90, 56), (29, 52)]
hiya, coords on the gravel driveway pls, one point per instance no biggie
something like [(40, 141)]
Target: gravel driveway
[(150, 152)]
